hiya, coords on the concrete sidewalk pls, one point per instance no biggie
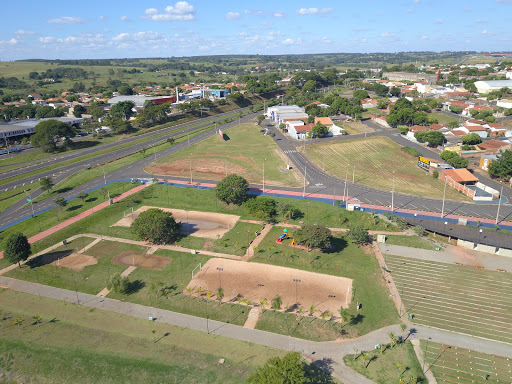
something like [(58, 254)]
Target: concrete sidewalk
[(452, 255), (332, 352)]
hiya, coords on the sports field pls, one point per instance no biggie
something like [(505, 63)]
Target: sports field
[(454, 365), (375, 160), (243, 153), (456, 298)]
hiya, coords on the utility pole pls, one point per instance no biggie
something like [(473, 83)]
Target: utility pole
[(393, 194), (353, 173), (304, 190), (190, 158), (264, 175), (444, 196), (31, 206), (499, 205)]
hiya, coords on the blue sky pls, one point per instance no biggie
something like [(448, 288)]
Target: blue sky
[(155, 28)]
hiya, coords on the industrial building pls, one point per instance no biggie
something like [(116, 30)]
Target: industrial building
[(401, 76), (139, 100), (19, 129), (486, 86)]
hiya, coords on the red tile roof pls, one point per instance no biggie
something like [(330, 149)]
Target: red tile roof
[(461, 175)]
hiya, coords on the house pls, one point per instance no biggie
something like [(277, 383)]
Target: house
[(485, 161), (474, 122), (495, 129), (277, 114), (334, 130), (478, 129), (422, 87), (478, 108), (369, 103), (300, 132), (504, 103), (494, 146), (381, 120), (414, 129), (438, 127)]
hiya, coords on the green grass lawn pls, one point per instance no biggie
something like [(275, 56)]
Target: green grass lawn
[(456, 298), (234, 242), (173, 278), (381, 366), (92, 279), (244, 154), (451, 364), (7, 198), (410, 241), (83, 345), (345, 260), (442, 118), (376, 159)]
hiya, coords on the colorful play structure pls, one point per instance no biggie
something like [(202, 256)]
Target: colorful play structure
[(285, 236)]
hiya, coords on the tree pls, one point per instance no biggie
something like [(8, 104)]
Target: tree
[(260, 119), (277, 301), (359, 235), (48, 132), (291, 369), (96, 111), (46, 184), (122, 110), (16, 248), (220, 294), (471, 139), (453, 124), (459, 162), (118, 283), (78, 110), (156, 226), (232, 189), (82, 196), (432, 138), (403, 129), (60, 202), (455, 109), (320, 130), (395, 91), (236, 97), (309, 86), (446, 155), (125, 89), (502, 166), (263, 208), (360, 94), (314, 236)]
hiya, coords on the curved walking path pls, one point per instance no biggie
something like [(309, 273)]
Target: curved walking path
[(331, 353)]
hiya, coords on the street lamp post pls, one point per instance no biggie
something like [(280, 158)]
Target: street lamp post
[(104, 176), (345, 190), (264, 175), (393, 194), (415, 218), (479, 235), (499, 206), (354, 174), (307, 212), (76, 290), (425, 357), (402, 299), (190, 158), (296, 281), (304, 189), (444, 196), (437, 358), (247, 239), (220, 281), (207, 324), (30, 200)]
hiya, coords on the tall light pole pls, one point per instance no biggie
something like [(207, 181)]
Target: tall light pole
[(345, 197), (264, 175), (354, 173), (425, 357), (190, 158), (444, 196), (296, 281), (402, 299), (393, 194), (220, 281), (104, 176), (304, 189), (76, 290), (31, 206), (499, 205)]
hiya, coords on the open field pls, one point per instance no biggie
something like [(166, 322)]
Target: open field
[(410, 241), (164, 289), (452, 365), (91, 279), (71, 347), (194, 223), (442, 118), (375, 160), (345, 260), (381, 366), (456, 298), (243, 153), (254, 282)]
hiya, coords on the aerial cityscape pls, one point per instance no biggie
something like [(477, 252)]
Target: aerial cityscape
[(216, 192)]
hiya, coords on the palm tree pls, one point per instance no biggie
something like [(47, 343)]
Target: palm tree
[(343, 314), (312, 310), (277, 302), (356, 351), (364, 355), (220, 294), (17, 321), (37, 319), (189, 290), (198, 291), (263, 303), (392, 337)]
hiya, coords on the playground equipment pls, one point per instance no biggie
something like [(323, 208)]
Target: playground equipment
[(280, 238), (293, 240)]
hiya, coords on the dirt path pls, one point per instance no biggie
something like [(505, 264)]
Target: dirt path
[(253, 317), (256, 242)]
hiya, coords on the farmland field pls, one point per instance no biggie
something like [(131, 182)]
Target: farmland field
[(462, 366), (243, 153), (456, 298), (375, 161)]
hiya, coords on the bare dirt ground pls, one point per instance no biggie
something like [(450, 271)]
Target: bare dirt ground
[(75, 261), (140, 260), (199, 224), (255, 281)]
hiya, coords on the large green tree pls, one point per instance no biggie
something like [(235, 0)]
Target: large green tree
[(471, 139), (432, 138), (291, 369), (502, 167), (156, 226), (46, 184), (232, 189), (320, 130), (314, 236), (263, 208), (122, 110), (48, 132), (17, 248), (359, 235)]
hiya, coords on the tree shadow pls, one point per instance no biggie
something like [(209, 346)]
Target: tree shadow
[(320, 371), (84, 144), (337, 245), (354, 320), (135, 286), (91, 199), (47, 258), (161, 337), (75, 207), (373, 358), (412, 331), (63, 190)]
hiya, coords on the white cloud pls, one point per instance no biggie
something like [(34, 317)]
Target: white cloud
[(480, 21), (181, 11), (279, 14), (148, 36), (257, 12), (423, 37), (503, 1), (47, 40), (326, 40), (66, 20), (416, 1), (292, 41), (314, 11), (439, 21), (387, 34), (124, 18), (409, 11), (23, 32), (487, 33), (233, 15)]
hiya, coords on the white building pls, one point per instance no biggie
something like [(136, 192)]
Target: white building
[(486, 86), (504, 103)]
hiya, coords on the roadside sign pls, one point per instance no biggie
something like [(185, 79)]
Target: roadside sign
[(29, 200)]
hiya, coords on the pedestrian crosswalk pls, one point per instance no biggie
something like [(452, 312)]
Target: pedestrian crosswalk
[(290, 151)]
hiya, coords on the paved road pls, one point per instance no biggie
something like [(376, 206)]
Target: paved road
[(327, 354)]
